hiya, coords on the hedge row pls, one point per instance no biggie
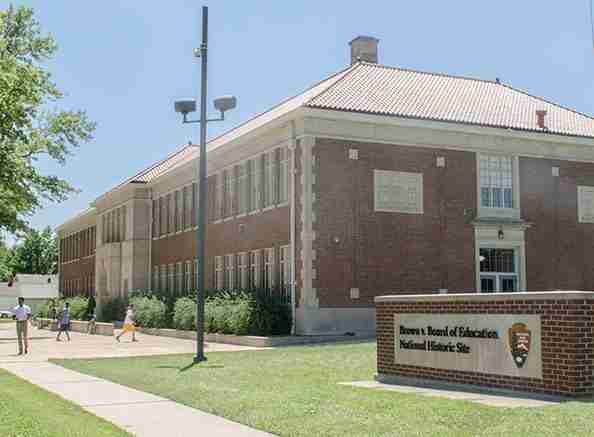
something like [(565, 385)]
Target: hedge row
[(81, 308), (239, 313)]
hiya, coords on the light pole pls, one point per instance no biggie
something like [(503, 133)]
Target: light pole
[(185, 107)]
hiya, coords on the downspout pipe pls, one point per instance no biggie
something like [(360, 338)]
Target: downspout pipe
[(292, 147)]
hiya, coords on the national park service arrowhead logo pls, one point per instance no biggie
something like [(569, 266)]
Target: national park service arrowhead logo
[(519, 343)]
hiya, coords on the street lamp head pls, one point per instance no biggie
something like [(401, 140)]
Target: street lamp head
[(185, 106), (225, 103)]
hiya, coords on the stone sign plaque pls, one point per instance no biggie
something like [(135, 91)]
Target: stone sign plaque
[(398, 191), (585, 204), (500, 344)]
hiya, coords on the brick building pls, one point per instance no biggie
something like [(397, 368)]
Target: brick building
[(377, 180)]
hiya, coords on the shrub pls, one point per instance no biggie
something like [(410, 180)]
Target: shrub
[(44, 310), (91, 305), (150, 312), (270, 316), (113, 310), (184, 314), (78, 307), (239, 313)]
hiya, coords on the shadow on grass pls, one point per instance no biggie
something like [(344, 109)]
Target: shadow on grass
[(192, 365)]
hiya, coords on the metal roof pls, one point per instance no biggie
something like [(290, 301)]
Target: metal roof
[(376, 89)]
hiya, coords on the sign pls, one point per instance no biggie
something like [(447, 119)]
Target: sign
[(500, 344), (398, 191), (585, 204)]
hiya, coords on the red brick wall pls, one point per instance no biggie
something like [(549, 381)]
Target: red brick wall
[(387, 253), (82, 271), (260, 230), (567, 344), (559, 250)]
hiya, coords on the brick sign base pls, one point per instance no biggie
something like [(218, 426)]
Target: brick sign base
[(555, 358)]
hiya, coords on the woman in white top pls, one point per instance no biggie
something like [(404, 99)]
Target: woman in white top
[(129, 324)]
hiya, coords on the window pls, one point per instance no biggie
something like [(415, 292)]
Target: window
[(255, 184), (171, 279), (163, 216), (155, 284), (170, 214), (255, 269), (270, 178), (123, 233), (496, 181), (163, 279), (269, 281), (230, 271), (285, 268), (188, 207), (243, 188), (498, 269), (219, 273), (179, 211), (155, 218), (283, 180), (194, 203), (179, 278), (228, 192), (188, 277), (218, 187), (242, 270)]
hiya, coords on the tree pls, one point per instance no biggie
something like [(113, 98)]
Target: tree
[(5, 262), (31, 125), (36, 253)]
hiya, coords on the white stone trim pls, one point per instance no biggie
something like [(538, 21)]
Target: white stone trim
[(309, 297), (486, 236), (488, 297), (513, 213), (453, 136)]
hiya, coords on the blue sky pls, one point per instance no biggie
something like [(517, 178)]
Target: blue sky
[(125, 62)]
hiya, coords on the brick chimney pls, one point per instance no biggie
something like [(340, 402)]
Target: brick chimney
[(364, 48), (541, 119)]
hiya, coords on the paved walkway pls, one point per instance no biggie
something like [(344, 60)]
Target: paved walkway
[(137, 412), (44, 346)]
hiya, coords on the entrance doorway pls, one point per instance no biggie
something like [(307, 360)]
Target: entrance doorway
[(498, 270)]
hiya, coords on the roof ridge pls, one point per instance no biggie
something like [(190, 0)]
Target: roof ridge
[(431, 73), (282, 102)]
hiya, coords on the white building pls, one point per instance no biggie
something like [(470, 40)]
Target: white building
[(35, 289)]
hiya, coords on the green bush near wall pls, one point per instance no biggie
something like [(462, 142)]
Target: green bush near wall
[(237, 313), (78, 307), (150, 312), (113, 310)]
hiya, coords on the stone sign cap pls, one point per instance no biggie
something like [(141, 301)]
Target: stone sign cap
[(459, 297)]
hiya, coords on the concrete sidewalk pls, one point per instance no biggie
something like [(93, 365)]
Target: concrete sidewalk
[(139, 413)]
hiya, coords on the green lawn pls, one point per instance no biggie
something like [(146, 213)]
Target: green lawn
[(28, 411), (294, 392)]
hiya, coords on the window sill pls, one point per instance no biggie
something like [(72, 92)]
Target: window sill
[(495, 213)]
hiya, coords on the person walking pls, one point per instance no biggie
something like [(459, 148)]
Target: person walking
[(22, 313), (129, 324), (64, 323), (92, 325)]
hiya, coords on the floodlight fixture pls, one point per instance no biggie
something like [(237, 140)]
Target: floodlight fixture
[(185, 106), (225, 103)]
